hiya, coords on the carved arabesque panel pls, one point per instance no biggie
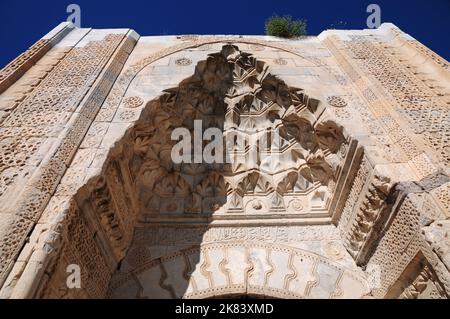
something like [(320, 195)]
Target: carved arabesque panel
[(425, 110)]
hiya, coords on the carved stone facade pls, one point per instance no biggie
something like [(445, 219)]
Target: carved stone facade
[(333, 183)]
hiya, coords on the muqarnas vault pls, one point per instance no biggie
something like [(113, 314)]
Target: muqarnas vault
[(357, 206)]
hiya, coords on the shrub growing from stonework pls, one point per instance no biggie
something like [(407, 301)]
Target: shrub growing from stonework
[(285, 27)]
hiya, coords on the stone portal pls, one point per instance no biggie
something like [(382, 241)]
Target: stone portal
[(333, 182)]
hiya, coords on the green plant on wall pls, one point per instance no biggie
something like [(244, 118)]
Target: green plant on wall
[(285, 27)]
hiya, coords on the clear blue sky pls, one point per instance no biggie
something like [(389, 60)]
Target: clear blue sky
[(24, 22)]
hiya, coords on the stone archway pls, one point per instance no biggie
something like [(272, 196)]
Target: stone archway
[(140, 184), (364, 195)]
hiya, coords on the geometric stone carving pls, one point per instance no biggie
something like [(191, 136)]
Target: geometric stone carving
[(332, 182), (418, 281), (366, 216), (244, 100), (423, 107), (424, 287), (30, 132), (336, 101)]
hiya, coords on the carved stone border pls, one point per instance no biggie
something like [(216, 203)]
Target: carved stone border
[(39, 189), (16, 68)]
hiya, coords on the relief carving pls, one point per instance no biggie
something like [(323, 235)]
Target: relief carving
[(297, 207)]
